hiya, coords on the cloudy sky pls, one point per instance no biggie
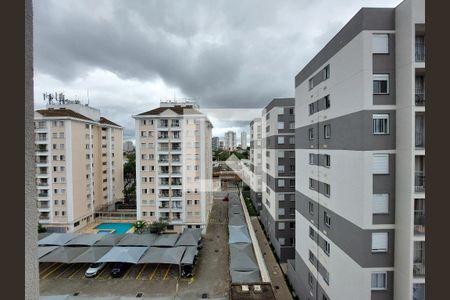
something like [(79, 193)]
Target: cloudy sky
[(226, 54)]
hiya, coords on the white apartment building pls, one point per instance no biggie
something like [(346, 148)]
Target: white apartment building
[(174, 165), (79, 165), (255, 156), (128, 146), (360, 189), (230, 140), (244, 140)]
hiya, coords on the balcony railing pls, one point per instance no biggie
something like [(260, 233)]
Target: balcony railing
[(41, 150), (41, 139), (41, 161), (419, 222), (420, 98), (420, 53), (163, 149), (43, 206), (44, 217), (42, 194), (42, 183), (420, 139), (163, 195), (419, 267), (419, 182)]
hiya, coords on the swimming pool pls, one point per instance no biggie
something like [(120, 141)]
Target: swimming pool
[(117, 228)]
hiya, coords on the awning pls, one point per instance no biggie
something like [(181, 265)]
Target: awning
[(57, 239), (166, 240), (85, 239), (124, 254), (235, 209), (238, 234), (157, 255), (190, 237), (189, 255), (245, 277), (242, 258), (110, 239), (63, 254), (92, 255), (134, 239), (237, 220), (44, 250)]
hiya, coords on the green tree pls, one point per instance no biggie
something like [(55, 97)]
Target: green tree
[(41, 229), (158, 227), (139, 226), (129, 174)]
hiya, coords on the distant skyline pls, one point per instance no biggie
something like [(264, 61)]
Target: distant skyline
[(225, 54)]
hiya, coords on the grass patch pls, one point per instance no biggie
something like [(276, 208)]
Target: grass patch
[(250, 208)]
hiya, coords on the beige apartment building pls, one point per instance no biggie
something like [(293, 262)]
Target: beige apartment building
[(174, 165), (79, 165)]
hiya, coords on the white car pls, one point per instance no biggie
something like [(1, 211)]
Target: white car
[(94, 269)]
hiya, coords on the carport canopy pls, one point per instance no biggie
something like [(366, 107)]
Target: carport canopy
[(238, 234), (124, 254), (134, 239), (189, 255), (110, 239), (85, 239), (235, 209), (63, 254), (166, 240), (44, 250), (236, 220), (92, 255), (242, 258), (157, 255), (190, 237), (245, 276), (57, 239)]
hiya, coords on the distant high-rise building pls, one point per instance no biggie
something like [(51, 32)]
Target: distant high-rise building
[(174, 165), (128, 146), (79, 165), (244, 140), (230, 140), (221, 145), (215, 143), (256, 163)]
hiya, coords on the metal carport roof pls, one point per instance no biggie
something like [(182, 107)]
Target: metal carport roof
[(63, 254), (44, 250), (242, 257), (57, 239), (124, 254), (238, 234), (85, 239), (245, 276), (157, 255), (189, 254), (110, 239), (134, 239), (166, 240), (235, 209), (190, 237), (237, 220), (92, 255)]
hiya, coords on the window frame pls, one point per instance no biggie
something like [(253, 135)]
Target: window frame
[(385, 47), (385, 281), (325, 131), (381, 77), (380, 250), (381, 117)]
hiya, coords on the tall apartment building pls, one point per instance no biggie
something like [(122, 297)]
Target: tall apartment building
[(174, 165), (360, 189), (128, 146), (230, 140), (244, 140), (278, 175), (255, 157), (79, 165), (215, 143)]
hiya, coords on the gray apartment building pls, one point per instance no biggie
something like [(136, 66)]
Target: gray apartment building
[(215, 143), (359, 132), (278, 175), (255, 155)]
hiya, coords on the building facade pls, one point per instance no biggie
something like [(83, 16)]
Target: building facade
[(360, 193), (244, 140), (278, 175), (230, 140), (215, 143), (128, 146), (174, 165), (255, 168), (79, 165)]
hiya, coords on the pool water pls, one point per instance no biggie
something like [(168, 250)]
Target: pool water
[(118, 228)]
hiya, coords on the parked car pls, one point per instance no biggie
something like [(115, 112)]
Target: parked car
[(119, 269), (94, 269), (187, 271)]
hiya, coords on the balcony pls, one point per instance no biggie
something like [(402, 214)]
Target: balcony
[(42, 184), (420, 98), (177, 193), (176, 182), (419, 259), (41, 149), (43, 205), (420, 139), (419, 222), (419, 268), (175, 123), (44, 217), (419, 182), (162, 148), (43, 195), (420, 49), (163, 124), (163, 135)]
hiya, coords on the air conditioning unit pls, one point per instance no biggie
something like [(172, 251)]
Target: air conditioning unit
[(245, 288), (257, 288)]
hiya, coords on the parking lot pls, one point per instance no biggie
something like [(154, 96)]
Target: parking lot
[(211, 275)]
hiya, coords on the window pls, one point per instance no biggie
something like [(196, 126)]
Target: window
[(311, 108), (291, 111), (327, 101), (311, 207), (379, 281), (292, 140), (311, 257), (281, 226), (281, 168), (327, 131), (326, 219), (280, 154), (327, 160), (311, 183), (281, 211), (311, 159), (281, 240), (380, 43), (268, 116), (380, 163), (311, 232), (292, 125), (311, 134), (380, 203), (292, 211), (310, 279), (281, 182), (327, 189), (380, 84), (380, 124), (326, 248), (281, 140), (280, 110), (280, 125), (379, 242)]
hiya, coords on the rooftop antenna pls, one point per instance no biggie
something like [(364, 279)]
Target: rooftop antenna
[(87, 96)]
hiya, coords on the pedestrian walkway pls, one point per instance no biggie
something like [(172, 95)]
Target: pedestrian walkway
[(279, 285)]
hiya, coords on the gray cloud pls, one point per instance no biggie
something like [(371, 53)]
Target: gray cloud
[(226, 53)]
